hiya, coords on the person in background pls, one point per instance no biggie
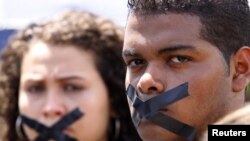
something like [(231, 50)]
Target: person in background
[(240, 116), (187, 63), (63, 80)]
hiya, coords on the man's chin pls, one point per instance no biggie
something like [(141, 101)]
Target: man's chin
[(149, 131)]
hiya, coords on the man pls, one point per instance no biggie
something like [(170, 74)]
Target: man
[(169, 44)]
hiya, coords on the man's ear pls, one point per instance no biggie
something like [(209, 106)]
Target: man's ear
[(241, 75)]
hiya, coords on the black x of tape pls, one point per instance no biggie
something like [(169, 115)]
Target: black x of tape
[(150, 110), (56, 131)]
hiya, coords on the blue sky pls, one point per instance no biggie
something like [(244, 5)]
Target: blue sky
[(18, 13)]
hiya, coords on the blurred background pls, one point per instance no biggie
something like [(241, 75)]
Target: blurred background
[(15, 14)]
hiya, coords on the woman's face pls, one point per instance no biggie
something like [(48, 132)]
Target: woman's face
[(54, 81)]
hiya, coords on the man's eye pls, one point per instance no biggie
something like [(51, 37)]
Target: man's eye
[(179, 59), (135, 62), (71, 88), (36, 89)]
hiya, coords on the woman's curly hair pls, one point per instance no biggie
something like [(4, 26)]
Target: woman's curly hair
[(85, 31)]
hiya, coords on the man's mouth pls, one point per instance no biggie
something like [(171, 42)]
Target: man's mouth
[(68, 131), (155, 110), (165, 111)]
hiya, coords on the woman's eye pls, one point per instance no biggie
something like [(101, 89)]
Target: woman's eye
[(36, 89), (135, 62), (179, 59), (71, 88)]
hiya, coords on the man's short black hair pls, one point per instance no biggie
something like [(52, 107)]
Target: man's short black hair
[(225, 23)]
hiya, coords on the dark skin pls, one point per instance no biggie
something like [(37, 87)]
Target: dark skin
[(171, 52)]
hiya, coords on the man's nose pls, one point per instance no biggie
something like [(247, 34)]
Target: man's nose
[(150, 83), (54, 106)]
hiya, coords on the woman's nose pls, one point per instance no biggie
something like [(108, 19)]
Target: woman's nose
[(149, 84), (54, 106)]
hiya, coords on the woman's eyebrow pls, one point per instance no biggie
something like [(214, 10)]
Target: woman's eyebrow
[(65, 78)]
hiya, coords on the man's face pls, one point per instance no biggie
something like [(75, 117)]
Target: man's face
[(164, 51)]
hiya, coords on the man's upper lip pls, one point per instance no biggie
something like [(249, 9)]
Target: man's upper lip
[(68, 131), (145, 97), (163, 110)]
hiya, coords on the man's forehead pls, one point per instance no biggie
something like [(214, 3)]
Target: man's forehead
[(165, 20), (173, 29)]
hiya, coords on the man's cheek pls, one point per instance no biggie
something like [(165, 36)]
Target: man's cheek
[(131, 108)]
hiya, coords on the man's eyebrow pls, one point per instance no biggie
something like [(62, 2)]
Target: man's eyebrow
[(130, 53), (176, 48)]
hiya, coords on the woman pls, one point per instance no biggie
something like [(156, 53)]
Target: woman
[(69, 65)]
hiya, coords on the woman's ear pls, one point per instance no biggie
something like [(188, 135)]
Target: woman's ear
[(241, 75)]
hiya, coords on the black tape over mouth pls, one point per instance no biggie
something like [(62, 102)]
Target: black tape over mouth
[(56, 131), (150, 110)]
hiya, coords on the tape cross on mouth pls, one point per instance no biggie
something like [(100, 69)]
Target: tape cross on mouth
[(55, 131), (150, 110)]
